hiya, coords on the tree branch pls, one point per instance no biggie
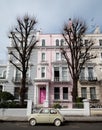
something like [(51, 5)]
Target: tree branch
[(15, 65)]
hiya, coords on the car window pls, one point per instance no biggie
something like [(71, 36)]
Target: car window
[(52, 111), (44, 111)]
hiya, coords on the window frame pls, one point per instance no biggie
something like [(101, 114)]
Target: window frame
[(62, 42), (43, 56), (82, 73), (86, 41), (90, 73), (57, 42), (57, 94), (84, 93), (43, 72), (57, 56), (43, 42), (16, 93), (65, 93), (92, 94), (64, 73), (1, 88), (100, 42)]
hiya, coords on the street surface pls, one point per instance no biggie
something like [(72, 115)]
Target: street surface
[(65, 126)]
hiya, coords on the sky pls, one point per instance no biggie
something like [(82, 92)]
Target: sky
[(50, 14)]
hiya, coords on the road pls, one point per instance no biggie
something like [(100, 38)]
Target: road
[(66, 126)]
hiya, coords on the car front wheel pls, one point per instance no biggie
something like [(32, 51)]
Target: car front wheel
[(32, 122), (57, 122)]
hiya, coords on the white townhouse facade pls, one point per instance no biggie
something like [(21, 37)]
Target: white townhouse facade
[(3, 74), (12, 79), (90, 82)]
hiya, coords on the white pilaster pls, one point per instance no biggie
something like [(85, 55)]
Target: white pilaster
[(29, 107), (47, 92), (46, 102), (35, 95)]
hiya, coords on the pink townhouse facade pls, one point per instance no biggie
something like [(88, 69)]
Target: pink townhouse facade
[(53, 82)]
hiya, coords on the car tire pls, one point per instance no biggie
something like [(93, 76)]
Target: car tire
[(57, 122), (32, 122)]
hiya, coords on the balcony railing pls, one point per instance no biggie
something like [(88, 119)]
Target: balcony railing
[(91, 79), (17, 80), (2, 78), (63, 79)]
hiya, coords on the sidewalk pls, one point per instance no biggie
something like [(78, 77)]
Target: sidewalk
[(67, 118)]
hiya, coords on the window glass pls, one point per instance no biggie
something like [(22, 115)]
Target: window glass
[(64, 74), (18, 75), (65, 93), (56, 74), (90, 73), (57, 42), (62, 42), (43, 72), (84, 92), (44, 111), (16, 92), (92, 93), (100, 42), (1, 87), (4, 74), (56, 93), (52, 111), (82, 74), (62, 57), (57, 56), (101, 55), (86, 42), (43, 56), (43, 42)]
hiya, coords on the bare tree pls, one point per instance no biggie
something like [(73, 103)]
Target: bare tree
[(23, 42), (78, 54)]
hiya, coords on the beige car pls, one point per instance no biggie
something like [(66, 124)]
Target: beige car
[(46, 115)]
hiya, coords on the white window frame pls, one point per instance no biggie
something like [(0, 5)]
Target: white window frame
[(101, 55), (43, 56), (57, 42), (62, 57), (43, 44), (57, 56), (65, 93), (82, 74), (90, 73), (27, 73), (84, 92), (92, 94), (57, 93), (65, 72), (43, 67), (100, 42)]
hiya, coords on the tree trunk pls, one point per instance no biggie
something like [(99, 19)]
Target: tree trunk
[(74, 90), (22, 90)]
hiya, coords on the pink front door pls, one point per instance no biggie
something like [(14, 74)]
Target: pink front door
[(42, 95)]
